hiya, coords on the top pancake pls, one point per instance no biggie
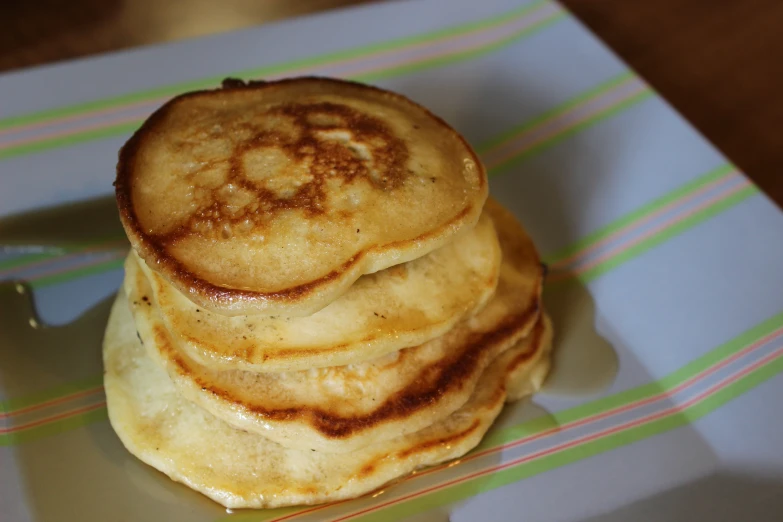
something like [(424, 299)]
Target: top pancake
[(274, 197)]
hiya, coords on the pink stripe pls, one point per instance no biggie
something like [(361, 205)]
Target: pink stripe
[(445, 52), (74, 117), (311, 510), (52, 402), (598, 96), (613, 102), (68, 132), (643, 221), (559, 276), (582, 440), (53, 418), (420, 45)]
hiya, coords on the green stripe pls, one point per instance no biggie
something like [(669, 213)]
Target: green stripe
[(70, 139), (592, 120), (22, 261), (10, 405), (64, 277), (53, 428), (642, 212), (556, 111), (321, 60), (674, 230), (465, 55), (26, 259), (628, 436)]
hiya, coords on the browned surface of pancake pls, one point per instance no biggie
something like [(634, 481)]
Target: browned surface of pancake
[(274, 197)]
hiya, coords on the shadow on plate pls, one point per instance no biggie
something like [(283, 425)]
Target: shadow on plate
[(726, 496)]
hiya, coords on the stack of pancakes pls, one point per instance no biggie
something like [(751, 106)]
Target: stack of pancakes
[(319, 299)]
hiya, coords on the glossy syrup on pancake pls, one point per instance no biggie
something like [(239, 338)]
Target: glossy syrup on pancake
[(274, 197), (341, 409)]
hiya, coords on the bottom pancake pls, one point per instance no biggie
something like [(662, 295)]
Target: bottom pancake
[(240, 469)]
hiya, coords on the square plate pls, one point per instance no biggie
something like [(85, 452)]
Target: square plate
[(664, 259)]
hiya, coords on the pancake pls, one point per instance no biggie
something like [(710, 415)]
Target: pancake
[(274, 197), (340, 409), (402, 306), (242, 469)]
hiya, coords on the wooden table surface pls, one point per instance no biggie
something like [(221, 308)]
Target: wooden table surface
[(719, 62)]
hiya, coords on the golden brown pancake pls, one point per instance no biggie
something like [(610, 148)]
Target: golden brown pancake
[(243, 469), (395, 308), (341, 409), (274, 197)]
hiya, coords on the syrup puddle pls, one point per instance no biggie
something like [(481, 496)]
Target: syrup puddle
[(583, 362), (62, 228), (35, 353)]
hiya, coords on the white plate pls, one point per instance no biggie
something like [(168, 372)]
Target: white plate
[(658, 248)]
